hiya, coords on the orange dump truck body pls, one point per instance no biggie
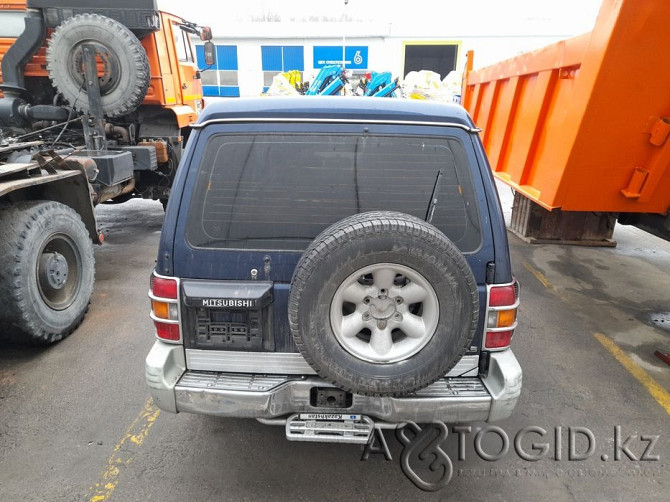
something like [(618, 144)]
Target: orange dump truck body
[(583, 125)]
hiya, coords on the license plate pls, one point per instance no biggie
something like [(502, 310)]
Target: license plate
[(328, 416)]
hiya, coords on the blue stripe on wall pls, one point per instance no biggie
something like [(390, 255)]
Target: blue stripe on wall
[(294, 58), (226, 57), (210, 90), (229, 92), (200, 57), (271, 58)]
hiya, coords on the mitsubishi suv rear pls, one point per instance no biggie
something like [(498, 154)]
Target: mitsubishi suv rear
[(332, 263)]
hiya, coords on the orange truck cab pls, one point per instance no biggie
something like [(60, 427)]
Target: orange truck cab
[(175, 79)]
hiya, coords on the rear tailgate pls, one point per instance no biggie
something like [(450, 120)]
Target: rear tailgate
[(260, 193)]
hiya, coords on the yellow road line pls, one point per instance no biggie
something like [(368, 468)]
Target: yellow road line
[(123, 456), (661, 396), (538, 275)]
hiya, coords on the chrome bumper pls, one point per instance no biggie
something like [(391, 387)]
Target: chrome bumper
[(450, 400)]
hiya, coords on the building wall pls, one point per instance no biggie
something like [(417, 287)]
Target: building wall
[(384, 53)]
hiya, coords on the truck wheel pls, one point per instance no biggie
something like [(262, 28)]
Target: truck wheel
[(383, 303), (125, 66), (46, 271)]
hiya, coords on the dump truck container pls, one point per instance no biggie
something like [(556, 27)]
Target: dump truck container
[(582, 126)]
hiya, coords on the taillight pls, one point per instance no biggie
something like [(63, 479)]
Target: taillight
[(503, 302), (164, 287), (167, 331), (164, 296)]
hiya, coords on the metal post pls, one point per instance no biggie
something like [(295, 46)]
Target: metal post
[(344, 58), (94, 130)]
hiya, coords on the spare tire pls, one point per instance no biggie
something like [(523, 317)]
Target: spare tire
[(383, 303), (125, 76)]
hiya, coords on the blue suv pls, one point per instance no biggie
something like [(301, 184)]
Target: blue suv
[(334, 264)]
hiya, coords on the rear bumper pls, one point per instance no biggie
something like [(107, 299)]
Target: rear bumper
[(450, 400)]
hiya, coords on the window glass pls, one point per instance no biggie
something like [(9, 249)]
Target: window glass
[(280, 191), (228, 77), (209, 77), (268, 77), (182, 44)]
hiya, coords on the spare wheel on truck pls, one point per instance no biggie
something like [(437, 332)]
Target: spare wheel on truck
[(123, 66), (383, 303)]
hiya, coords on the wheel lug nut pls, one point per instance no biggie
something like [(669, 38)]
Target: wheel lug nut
[(398, 300), (366, 300), (366, 316)]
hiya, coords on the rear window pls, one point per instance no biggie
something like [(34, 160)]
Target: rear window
[(278, 192)]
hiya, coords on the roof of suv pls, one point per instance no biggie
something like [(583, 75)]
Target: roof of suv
[(359, 109)]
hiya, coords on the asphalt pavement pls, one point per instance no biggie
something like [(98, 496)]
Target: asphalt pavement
[(76, 422)]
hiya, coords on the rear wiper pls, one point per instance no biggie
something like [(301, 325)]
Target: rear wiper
[(433, 198)]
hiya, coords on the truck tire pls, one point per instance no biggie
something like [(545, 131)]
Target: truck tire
[(382, 303), (126, 74), (46, 271)]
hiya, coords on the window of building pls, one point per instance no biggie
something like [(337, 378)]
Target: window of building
[(221, 79), (277, 59), (440, 58)]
